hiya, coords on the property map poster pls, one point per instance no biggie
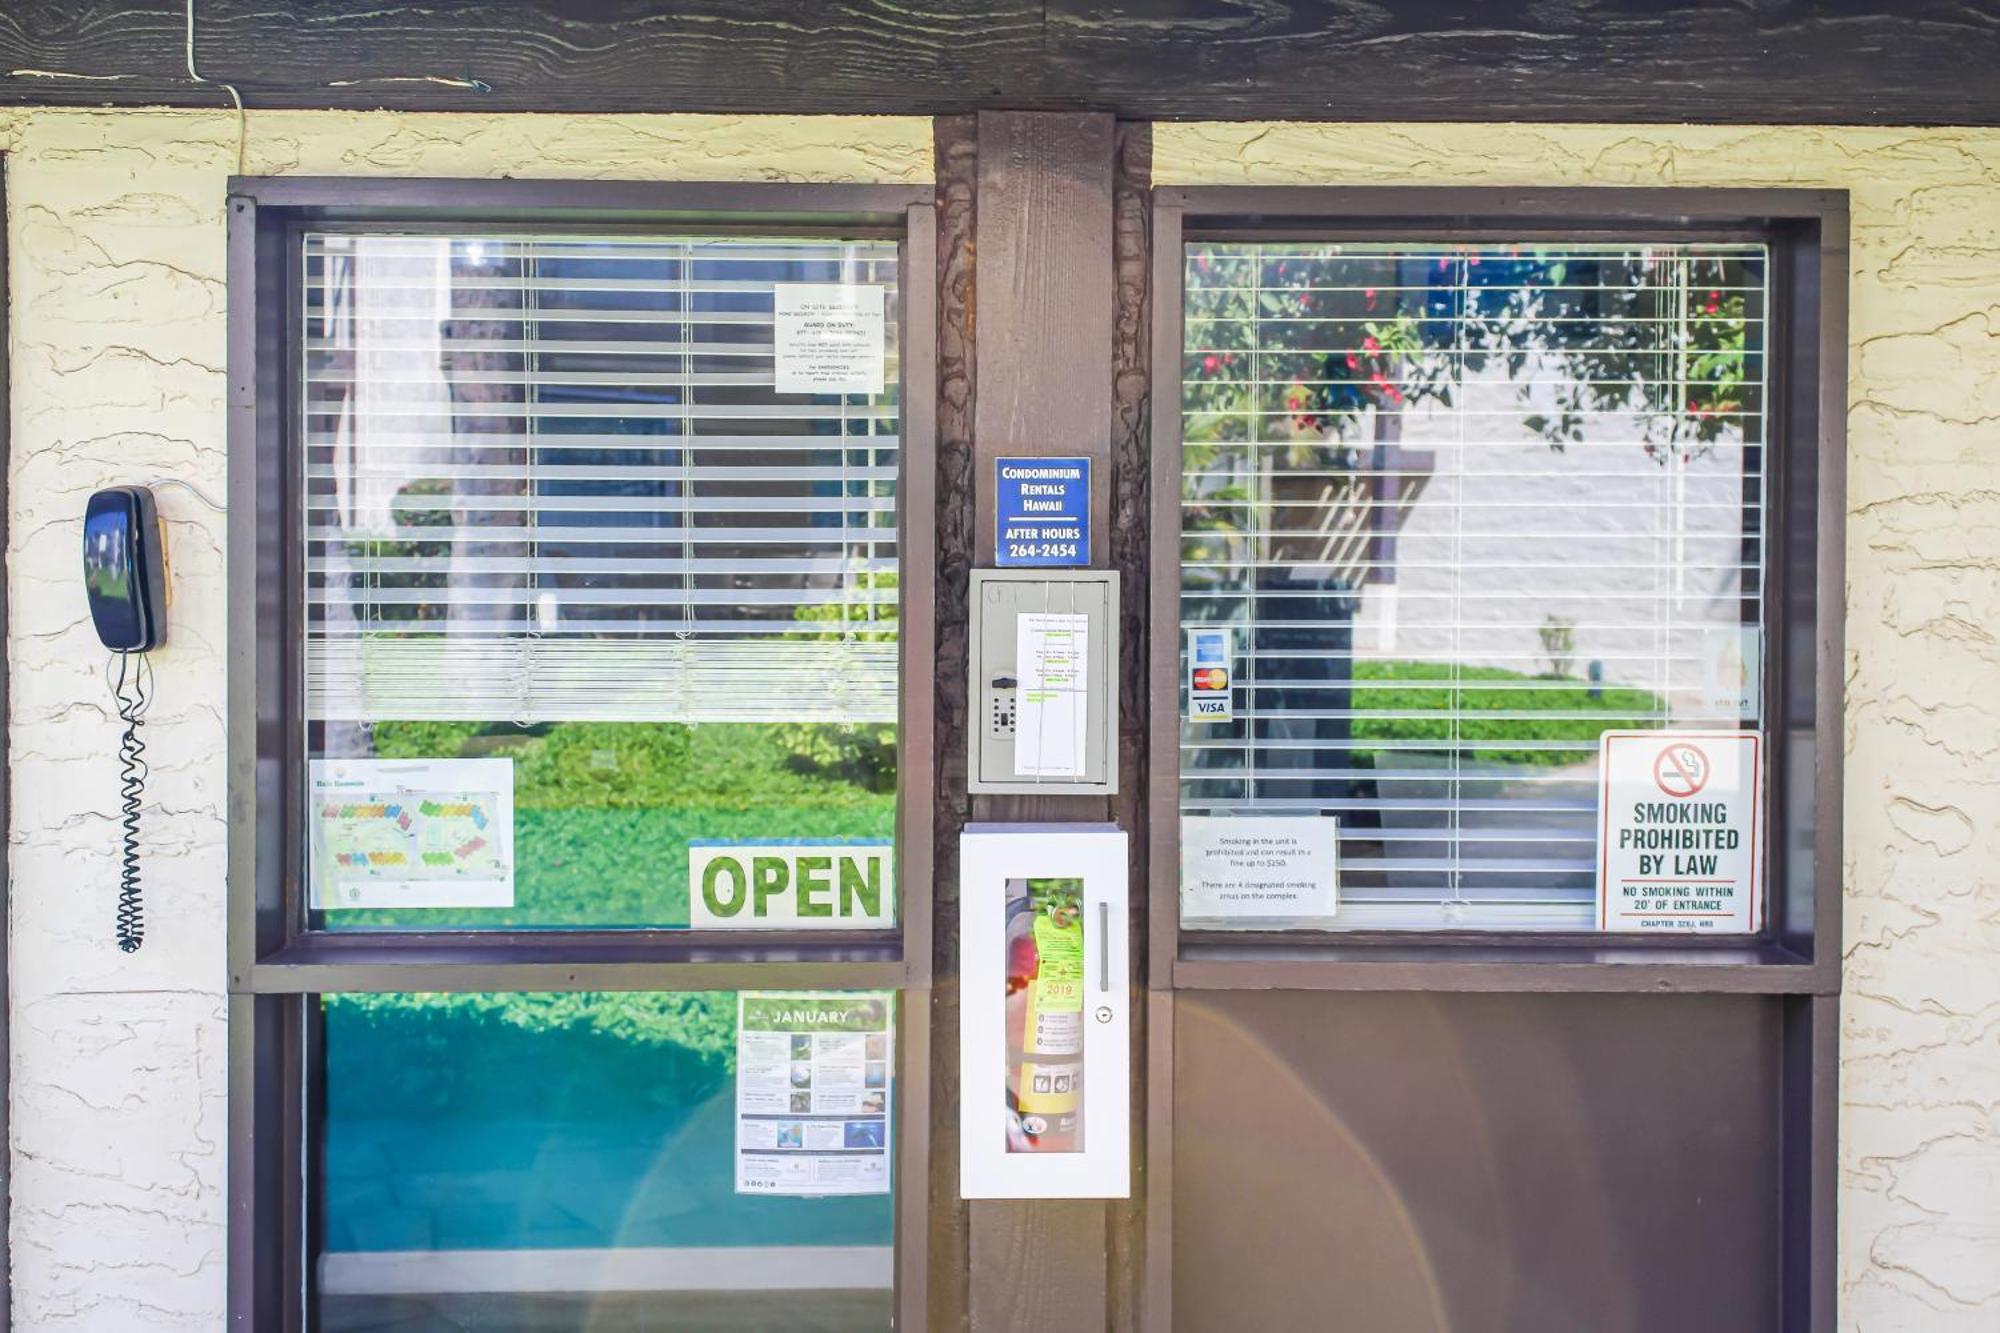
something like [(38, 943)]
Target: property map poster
[(813, 1072), (412, 832)]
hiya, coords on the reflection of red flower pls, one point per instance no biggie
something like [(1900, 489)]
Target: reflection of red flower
[(1208, 363), (1369, 344)]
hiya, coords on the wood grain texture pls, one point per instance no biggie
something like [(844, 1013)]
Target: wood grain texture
[(1127, 537), (1045, 289), (1840, 62), (957, 154), (1044, 356)]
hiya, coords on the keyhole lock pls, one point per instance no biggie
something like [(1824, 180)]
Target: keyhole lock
[(1104, 1013)]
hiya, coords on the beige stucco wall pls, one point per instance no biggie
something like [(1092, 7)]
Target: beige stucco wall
[(116, 255), (1920, 1039), (115, 247)]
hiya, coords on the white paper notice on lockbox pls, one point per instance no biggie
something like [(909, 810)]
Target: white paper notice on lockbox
[(1249, 870), (1679, 843), (828, 337), (1052, 655)]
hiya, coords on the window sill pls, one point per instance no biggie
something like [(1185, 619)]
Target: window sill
[(1748, 967), (564, 961)]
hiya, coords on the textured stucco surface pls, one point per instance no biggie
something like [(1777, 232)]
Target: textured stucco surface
[(116, 255), (1920, 1039)]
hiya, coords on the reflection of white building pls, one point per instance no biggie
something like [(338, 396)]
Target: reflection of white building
[(1643, 562), (1470, 542)]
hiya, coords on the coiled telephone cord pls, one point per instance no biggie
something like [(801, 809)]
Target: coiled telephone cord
[(132, 688)]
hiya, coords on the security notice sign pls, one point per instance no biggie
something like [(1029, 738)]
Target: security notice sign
[(1678, 845), (828, 337)]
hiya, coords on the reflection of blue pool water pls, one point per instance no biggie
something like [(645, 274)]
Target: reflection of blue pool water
[(455, 1132)]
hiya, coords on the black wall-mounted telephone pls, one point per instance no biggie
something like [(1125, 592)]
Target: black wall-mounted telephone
[(125, 569), (125, 578)]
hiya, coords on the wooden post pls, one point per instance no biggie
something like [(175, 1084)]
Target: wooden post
[(1044, 314)]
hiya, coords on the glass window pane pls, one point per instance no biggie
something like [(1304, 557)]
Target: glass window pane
[(568, 1161), (585, 590), (1461, 510)]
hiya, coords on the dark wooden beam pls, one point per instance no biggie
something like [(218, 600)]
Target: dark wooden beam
[(1127, 538), (1797, 61), (1045, 297), (956, 145)]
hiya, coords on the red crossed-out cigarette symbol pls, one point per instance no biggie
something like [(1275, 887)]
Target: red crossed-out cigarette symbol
[(1681, 769)]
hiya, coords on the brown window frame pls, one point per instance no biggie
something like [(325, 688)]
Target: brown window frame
[(1797, 949), (278, 963), (1796, 959)]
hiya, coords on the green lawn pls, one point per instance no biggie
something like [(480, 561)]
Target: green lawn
[(603, 812), (1560, 709)]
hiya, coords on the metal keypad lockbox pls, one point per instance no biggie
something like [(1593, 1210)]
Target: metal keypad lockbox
[(1044, 663)]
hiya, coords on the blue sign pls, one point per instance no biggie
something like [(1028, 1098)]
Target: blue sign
[(1042, 512)]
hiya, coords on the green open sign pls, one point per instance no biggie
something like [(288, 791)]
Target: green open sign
[(791, 885)]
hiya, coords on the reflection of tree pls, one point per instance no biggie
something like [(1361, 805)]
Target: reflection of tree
[(1303, 365), (1293, 349)]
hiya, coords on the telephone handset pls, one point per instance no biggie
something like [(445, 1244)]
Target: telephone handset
[(125, 569), (125, 580)]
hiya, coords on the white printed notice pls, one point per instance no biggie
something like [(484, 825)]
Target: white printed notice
[(829, 337), (812, 1092), (1052, 654), (1266, 870), (1678, 845), (411, 833)]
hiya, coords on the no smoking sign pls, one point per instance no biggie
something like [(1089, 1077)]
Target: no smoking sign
[(1681, 769), (1680, 832)]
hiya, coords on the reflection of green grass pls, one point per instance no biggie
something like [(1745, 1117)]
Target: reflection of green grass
[(697, 1027), (1428, 688), (604, 812)]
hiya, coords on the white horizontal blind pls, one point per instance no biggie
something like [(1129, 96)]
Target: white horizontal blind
[(1465, 508), (551, 478)]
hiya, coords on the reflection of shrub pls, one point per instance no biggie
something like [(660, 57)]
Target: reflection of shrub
[(1558, 637), (425, 1054), (423, 740), (600, 765), (1053, 895), (863, 753), (606, 764)]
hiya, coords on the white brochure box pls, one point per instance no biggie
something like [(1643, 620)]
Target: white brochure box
[(1047, 900)]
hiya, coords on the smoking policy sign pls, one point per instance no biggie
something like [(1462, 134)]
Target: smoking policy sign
[(1679, 843)]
